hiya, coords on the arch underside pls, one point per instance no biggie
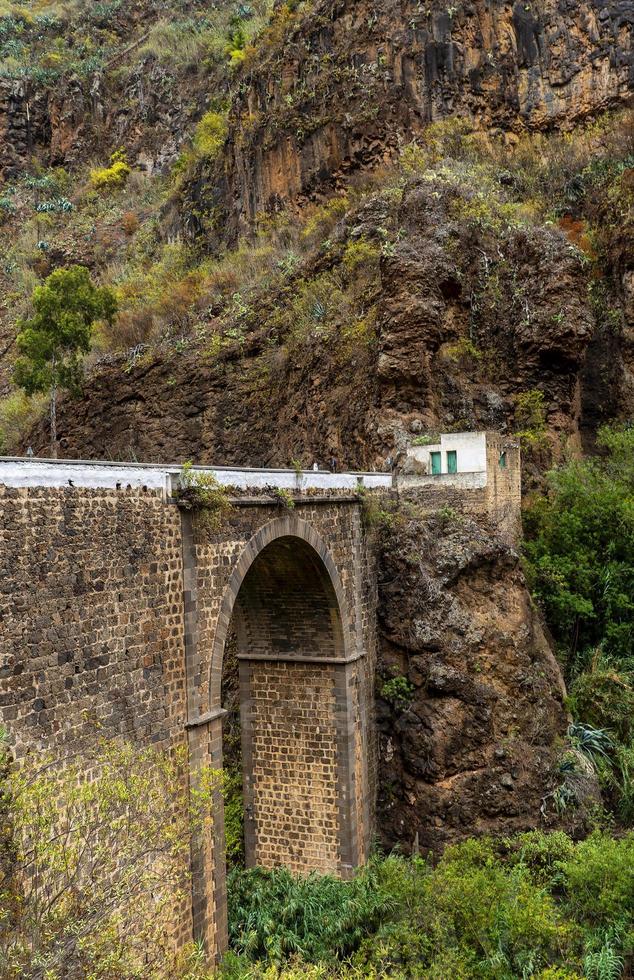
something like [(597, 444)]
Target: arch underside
[(297, 701)]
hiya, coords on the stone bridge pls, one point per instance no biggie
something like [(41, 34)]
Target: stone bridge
[(115, 614)]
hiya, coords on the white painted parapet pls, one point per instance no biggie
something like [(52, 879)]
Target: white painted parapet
[(29, 472)]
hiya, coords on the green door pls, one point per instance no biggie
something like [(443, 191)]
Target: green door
[(435, 463), (452, 461)]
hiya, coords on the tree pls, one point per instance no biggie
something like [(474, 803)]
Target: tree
[(50, 343), (580, 553), (96, 861)]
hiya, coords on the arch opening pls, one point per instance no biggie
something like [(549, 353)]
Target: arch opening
[(285, 690)]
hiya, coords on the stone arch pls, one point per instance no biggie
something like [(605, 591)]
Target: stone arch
[(304, 706), (289, 527)]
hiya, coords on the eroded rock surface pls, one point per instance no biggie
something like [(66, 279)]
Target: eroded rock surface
[(339, 89), (472, 748)]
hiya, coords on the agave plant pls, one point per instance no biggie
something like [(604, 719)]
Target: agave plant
[(592, 742)]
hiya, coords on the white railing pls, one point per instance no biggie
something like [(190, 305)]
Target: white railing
[(29, 472)]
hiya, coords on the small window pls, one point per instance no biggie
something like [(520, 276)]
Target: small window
[(452, 461), (502, 461), (436, 466)]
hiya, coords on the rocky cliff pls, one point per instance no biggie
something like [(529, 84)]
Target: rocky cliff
[(470, 703), (337, 87), (437, 303)]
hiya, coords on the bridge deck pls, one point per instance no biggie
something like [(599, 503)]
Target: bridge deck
[(18, 471)]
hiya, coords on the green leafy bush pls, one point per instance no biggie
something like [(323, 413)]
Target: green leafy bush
[(93, 853), (530, 419), (275, 915), (210, 134), (18, 413), (580, 552), (536, 906), (598, 880), (398, 691)]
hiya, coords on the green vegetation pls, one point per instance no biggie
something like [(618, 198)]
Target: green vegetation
[(65, 307), (398, 691), (275, 915), (111, 178), (209, 135), (580, 553), (18, 413), (201, 493), (284, 497), (463, 349), (537, 906), (234, 816), (530, 419), (580, 565), (86, 855)]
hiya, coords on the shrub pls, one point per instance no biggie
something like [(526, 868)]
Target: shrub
[(360, 256), (93, 853), (425, 440), (536, 906), (284, 497), (18, 414), (463, 349), (580, 553), (201, 493), (323, 218), (130, 223), (472, 916), (542, 854), (598, 880), (111, 178), (209, 135), (398, 691), (604, 698), (530, 419), (275, 915)]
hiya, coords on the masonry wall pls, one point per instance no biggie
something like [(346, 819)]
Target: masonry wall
[(113, 614), (91, 624), (292, 766), (306, 727), (504, 486)]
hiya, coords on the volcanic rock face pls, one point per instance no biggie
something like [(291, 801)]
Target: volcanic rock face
[(467, 316), (341, 88), (520, 298), (469, 747)]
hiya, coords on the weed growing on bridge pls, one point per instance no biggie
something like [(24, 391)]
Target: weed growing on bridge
[(283, 497), (205, 497)]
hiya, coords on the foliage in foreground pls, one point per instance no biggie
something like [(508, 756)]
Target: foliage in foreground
[(275, 915), (580, 565), (95, 862), (537, 906)]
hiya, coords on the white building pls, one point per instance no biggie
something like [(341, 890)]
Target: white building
[(478, 472)]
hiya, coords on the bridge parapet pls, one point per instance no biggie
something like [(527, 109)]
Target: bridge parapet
[(96, 474)]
